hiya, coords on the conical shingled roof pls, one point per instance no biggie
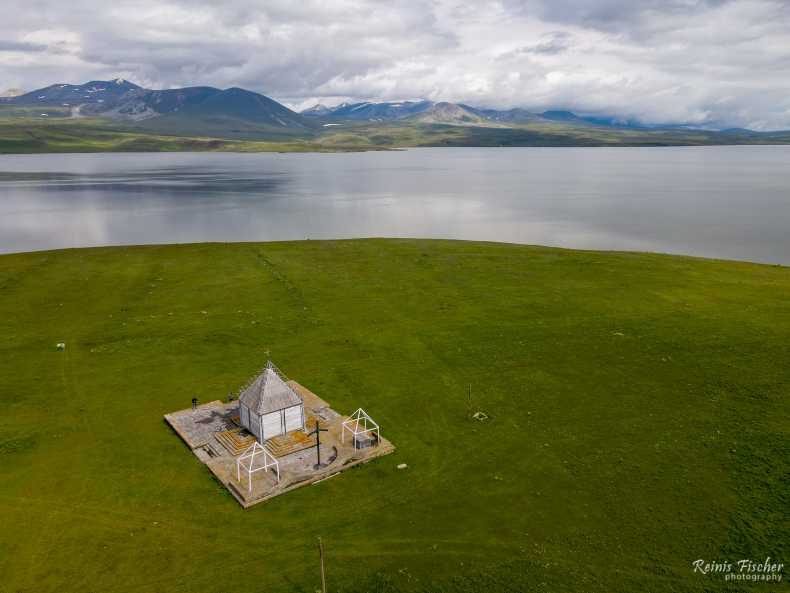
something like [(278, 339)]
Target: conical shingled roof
[(269, 392)]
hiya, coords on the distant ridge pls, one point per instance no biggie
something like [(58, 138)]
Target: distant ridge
[(449, 113), (455, 114), (316, 110), (93, 92), (121, 99), (210, 116), (368, 111), (192, 109)]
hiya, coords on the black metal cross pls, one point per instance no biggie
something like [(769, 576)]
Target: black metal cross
[(317, 432)]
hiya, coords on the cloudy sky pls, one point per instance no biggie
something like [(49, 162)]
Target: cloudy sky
[(708, 62)]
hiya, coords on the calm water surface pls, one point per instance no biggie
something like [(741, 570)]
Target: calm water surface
[(728, 202)]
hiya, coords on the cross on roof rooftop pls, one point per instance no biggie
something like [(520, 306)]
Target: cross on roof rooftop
[(269, 392)]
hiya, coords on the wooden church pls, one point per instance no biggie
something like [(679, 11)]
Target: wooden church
[(269, 407)]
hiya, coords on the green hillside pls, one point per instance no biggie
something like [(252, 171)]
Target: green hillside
[(638, 417), (24, 130), (541, 133), (30, 136)]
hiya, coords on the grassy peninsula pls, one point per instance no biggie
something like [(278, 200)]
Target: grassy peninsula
[(638, 416)]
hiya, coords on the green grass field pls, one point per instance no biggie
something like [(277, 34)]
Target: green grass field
[(638, 405), (23, 130), (30, 136)]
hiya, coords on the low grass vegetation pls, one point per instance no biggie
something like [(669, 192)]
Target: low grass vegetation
[(25, 130), (637, 409), (402, 135), (38, 135)]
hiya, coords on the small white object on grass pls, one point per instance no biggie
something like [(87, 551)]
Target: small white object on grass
[(61, 346), (402, 466)]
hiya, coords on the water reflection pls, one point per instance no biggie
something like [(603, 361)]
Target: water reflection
[(191, 179), (728, 202)]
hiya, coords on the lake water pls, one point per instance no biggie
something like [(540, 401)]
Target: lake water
[(728, 202)]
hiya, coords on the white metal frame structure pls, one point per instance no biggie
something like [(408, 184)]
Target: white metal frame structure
[(251, 453), (360, 423)]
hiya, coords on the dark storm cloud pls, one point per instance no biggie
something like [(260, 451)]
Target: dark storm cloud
[(551, 44), (709, 62), (21, 46), (610, 15)]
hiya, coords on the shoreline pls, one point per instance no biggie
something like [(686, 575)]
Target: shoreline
[(606, 252)]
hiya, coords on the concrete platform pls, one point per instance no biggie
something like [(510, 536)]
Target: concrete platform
[(198, 429)]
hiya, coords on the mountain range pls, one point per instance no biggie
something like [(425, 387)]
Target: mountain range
[(124, 100), (236, 114), (453, 114), (198, 109)]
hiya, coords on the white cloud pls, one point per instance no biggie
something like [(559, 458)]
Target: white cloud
[(708, 62)]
